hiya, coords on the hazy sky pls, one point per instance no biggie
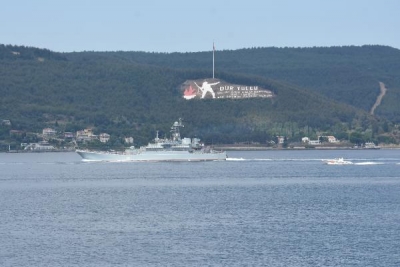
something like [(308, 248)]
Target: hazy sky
[(190, 26)]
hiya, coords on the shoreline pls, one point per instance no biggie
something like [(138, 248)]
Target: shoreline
[(232, 148), (261, 148), (37, 151)]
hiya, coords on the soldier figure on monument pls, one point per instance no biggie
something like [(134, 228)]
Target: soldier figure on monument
[(206, 87)]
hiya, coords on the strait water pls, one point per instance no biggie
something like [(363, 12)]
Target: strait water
[(264, 208)]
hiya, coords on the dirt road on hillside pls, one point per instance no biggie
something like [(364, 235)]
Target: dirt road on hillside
[(379, 98)]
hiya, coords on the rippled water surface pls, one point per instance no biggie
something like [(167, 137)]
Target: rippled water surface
[(263, 208)]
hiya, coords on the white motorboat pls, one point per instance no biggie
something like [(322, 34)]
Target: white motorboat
[(338, 161)]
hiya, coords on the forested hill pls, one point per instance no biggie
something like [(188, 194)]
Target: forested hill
[(135, 93), (349, 74)]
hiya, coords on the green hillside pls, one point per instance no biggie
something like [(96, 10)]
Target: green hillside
[(135, 93), (346, 74)]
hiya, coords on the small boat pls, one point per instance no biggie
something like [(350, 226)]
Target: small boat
[(371, 145), (338, 161)]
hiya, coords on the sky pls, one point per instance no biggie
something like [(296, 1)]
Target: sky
[(193, 26)]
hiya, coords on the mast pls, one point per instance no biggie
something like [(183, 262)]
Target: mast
[(213, 58), (176, 136)]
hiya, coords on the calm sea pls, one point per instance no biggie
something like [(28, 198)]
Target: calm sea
[(263, 208)]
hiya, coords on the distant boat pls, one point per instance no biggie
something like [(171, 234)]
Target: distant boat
[(370, 145), (338, 161)]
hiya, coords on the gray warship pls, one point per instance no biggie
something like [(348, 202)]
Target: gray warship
[(174, 148)]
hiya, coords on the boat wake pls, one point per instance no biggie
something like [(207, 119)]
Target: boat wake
[(326, 161), (369, 163), (270, 159), (236, 159)]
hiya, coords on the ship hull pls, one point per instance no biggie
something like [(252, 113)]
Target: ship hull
[(152, 156)]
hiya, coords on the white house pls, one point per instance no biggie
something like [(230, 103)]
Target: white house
[(281, 139), (84, 135), (104, 137), (314, 142), (41, 146), (305, 139), (68, 135), (332, 139), (6, 122), (129, 140), (49, 132)]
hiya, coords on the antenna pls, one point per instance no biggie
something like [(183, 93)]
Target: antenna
[(213, 58)]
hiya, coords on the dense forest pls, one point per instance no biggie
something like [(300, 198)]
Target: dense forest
[(318, 91), (347, 74)]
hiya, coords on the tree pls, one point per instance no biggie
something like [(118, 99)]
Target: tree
[(357, 138)]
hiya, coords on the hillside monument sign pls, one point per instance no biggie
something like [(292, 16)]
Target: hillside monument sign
[(218, 89)]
